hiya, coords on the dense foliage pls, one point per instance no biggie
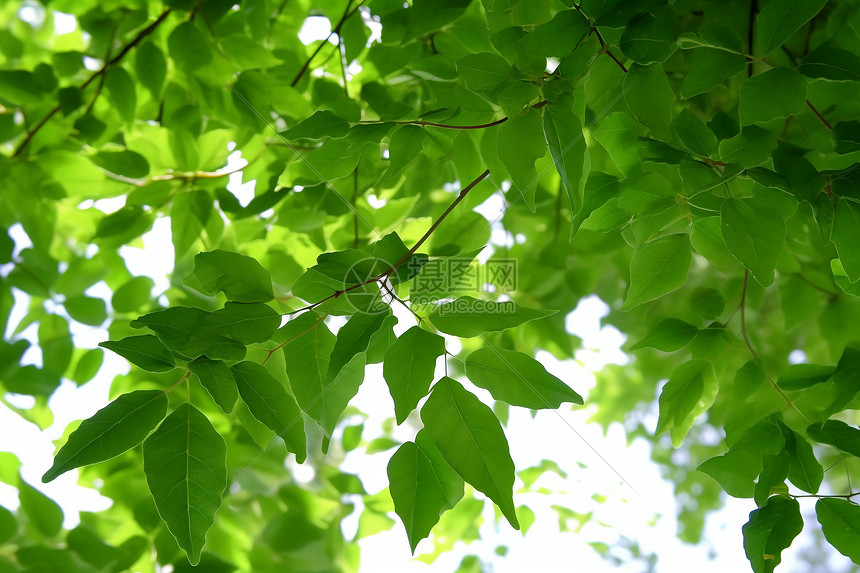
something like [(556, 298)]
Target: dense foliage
[(693, 163)]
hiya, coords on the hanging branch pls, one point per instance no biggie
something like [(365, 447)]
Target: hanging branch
[(116, 59)]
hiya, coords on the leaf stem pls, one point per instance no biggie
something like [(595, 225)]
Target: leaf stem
[(299, 335), (131, 45), (819, 116)]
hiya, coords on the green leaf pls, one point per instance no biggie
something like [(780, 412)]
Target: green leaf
[(775, 93), (217, 378), (840, 277), (126, 163), (774, 471), (422, 485), (753, 234), (189, 214), (668, 335), (693, 134), (8, 525), (708, 68), (185, 462), (805, 473), (322, 395), (189, 46), (116, 428), (467, 316), (150, 66), (844, 237), (780, 19), (390, 250), (247, 53), (657, 268), (86, 310), (650, 38), (354, 337), (132, 295), (771, 529), (484, 72), (562, 130), (408, 368), (145, 352), (800, 376), (121, 88), (559, 36), (689, 392), (245, 322), (269, 402), (44, 513), (520, 144), (241, 278), (472, 441), (840, 522), (88, 366), (733, 472), (649, 97), (517, 379), (321, 124), (832, 63), (838, 434), (846, 137), (751, 147)]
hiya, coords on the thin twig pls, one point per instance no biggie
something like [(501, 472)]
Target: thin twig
[(305, 331), (347, 13), (819, 116), (603, 45), (130, 46), (750, 34)]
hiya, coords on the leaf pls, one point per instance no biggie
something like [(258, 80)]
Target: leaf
[(846, 137), (694, 135), (563, 132), (185, 462), (144, 351), (520, 144), (657, 268), (241, 278), (132, 295), (422, 485), (354, 337), (121, 88), (321, 124), (733, 472), (832, 63), (150, 66), (805, 473), (800, 376), (774, 471), (780, 19), (467, 316), (321, 395), (409, 366), (245, 322), (472, 441), (650, 38), (844, 237), (689, 392), (44, 513), (270, 403), (753, 235), (771, 529), (840, 522), (559, 36), (116, 428), (189, 214), (708, 68), (484, 72), (217, 378), (189, 46), (86, 310), (649, 97), (668, 335), (517, 379), (751, 147), (775, 93), (838, 434), (126, 163), (247, 53), (390, 250)]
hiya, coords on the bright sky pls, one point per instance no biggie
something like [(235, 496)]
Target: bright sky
[(563, 436)]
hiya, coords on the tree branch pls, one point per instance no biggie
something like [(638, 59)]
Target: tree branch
[(130, 46), (347, 13), (819, 116)]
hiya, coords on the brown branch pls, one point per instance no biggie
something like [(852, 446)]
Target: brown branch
[(604, 47), (819, 116), (305, 331), (130, 46), (750, 34), (422, 123)]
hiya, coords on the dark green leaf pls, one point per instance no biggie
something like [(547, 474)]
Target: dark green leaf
[(846, 137), (694, 134), (775, 93), (119, 426), (44, 513), (840, 522), (562, 130), (649, 97), (484, 72), (217, 378), (689, 392), (650, 38), (800, 376), (468, 316), (668, 335), (753, 234), (517, 379), (126, 163), (185, 462), (838, 434), (780, 19), (844, 237), (145, 352), (121, 88), (658, 268), (321, 124), (472, 441), (270, 403), (832, 63), (408, 368), (354, 337), (150, 67), (769, 530), (241, 278)]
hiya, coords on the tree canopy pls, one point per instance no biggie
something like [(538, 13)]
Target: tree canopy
[(694, 164)]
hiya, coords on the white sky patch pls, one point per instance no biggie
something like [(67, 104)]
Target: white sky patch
[(316, 28), (64, 23), (155, 259), (244, 192)]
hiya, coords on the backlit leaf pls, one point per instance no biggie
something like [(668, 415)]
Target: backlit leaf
[(771, 529), (409, 366)]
